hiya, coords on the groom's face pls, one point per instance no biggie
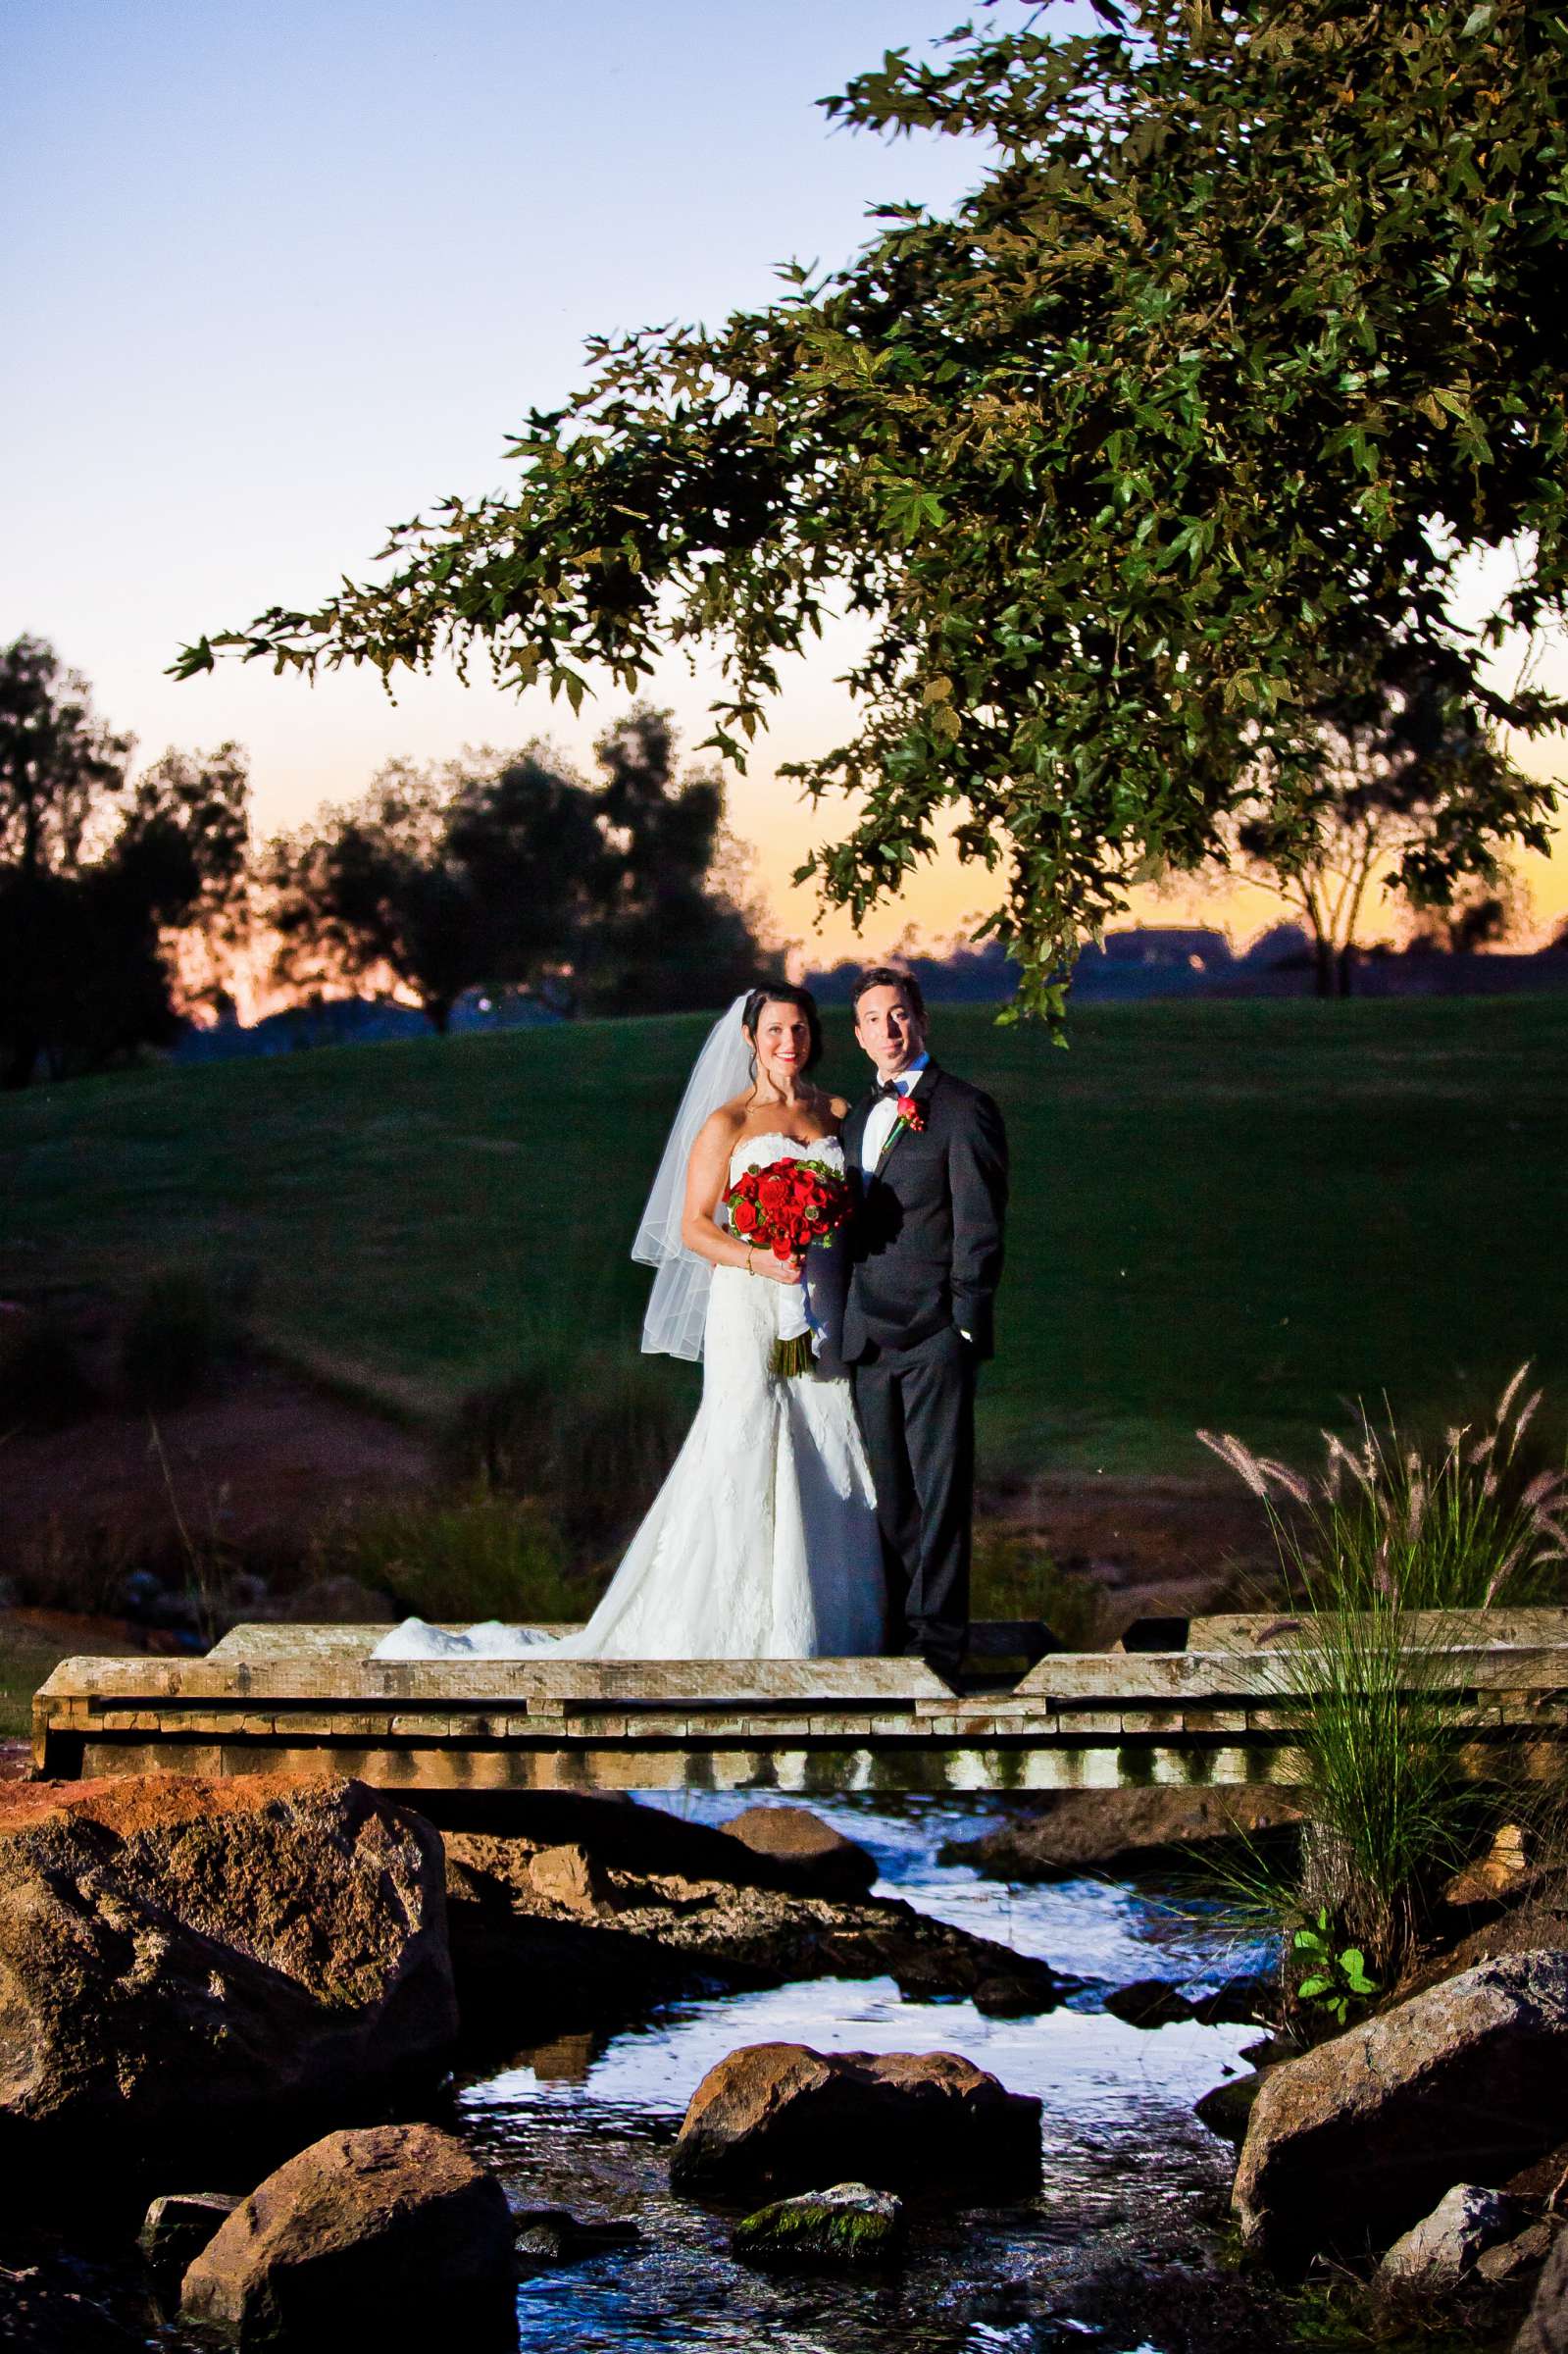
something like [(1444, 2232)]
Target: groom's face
[(888, 1028)]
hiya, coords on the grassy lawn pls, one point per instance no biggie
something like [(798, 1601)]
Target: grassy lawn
[(1239, 1214)]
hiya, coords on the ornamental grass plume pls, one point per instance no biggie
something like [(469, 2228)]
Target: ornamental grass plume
[(1388, 1530)]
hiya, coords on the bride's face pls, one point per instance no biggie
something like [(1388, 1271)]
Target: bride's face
[(784, 1043)]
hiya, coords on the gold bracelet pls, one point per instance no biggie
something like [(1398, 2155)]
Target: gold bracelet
[(750, 1246)]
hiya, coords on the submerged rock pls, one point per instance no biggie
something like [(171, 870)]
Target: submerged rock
[(850, 2223), (774, 2113), (1228, 2110), (183, 1953), (179, 2226), (1352, 2142), (392, 2235), (823, 1860), (1068, 1832), (543, 2238), (1435, 2254), (1149, 2003)]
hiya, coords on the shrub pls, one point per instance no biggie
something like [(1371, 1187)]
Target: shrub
[(179, 1329), (483, 1555), (1015, 1576), (588, 1438), (43, 1383)]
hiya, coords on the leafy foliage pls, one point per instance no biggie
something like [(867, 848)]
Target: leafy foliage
[(97, 874), (1335, 1976), (1246, 334), (507, 869)]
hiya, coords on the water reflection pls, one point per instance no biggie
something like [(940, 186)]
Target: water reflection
[(587, 2123)]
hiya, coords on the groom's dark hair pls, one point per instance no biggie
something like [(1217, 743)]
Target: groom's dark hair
[(783, 993), (888, 976)]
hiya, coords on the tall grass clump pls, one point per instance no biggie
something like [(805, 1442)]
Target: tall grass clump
[(460, 1557), (44, 1384), (181, 1327), (1379, 1551), (588, 1437)]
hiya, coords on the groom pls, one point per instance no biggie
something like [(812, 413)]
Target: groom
[(931, 1158)]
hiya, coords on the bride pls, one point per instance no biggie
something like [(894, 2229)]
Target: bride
[(762, 1543)]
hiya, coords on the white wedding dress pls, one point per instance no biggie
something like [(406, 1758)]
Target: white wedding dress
[(762, 1544)]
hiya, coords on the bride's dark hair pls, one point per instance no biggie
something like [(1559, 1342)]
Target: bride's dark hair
[(783, 993)]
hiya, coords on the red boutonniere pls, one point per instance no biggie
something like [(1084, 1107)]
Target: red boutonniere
[(910, 1115)]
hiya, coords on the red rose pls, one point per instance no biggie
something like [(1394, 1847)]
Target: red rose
[(746, 1217), (910, 1114)]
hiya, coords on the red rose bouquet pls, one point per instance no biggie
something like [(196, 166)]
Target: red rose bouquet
[(784, 1209)]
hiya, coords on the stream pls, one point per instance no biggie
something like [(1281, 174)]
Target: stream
[(587, 2123), (1133, 2188)]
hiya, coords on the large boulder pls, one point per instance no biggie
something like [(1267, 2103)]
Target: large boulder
[(1354, 2141), (1545, 2327), (178, 1953), (1434, 2256), (822, 1858), (589, 1911), (784, 2115), (392, 2235), (1068, 1832)]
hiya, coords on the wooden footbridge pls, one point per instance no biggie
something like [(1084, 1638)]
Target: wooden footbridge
[(1216, 1700)]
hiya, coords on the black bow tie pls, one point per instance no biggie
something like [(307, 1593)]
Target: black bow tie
[(894, 1087)]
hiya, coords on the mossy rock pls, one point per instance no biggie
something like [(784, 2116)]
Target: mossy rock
[(850, 2223)]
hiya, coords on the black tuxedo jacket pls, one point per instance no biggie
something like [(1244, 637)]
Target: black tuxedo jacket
[(926, 1244)]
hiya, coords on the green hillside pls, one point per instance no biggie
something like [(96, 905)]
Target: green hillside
[(1226, 1214)]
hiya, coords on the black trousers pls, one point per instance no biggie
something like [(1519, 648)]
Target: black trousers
[(917, 1415)]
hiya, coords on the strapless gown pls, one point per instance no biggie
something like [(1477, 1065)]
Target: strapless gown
[(762, 1543)]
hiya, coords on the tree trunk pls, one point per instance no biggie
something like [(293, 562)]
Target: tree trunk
[(1344, 972), (1323, 951), (438, 1013)]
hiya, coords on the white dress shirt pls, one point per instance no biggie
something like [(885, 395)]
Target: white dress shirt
[(884, 1112)]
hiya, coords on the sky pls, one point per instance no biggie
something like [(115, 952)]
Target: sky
[(278, 277)]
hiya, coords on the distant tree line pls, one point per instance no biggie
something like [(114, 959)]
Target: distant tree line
[(508, 870), (125, 902), (98, 873)]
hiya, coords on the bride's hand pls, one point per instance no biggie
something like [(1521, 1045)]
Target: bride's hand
[(782, 1271)]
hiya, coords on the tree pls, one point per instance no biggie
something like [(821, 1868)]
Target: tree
[(666, 936), (508, 870), (188, 814), (59, 765), (1482, 915), (1246, 334), (372, 892), (1408, 792), (98, 877)]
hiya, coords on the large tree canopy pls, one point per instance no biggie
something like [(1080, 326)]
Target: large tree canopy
[(1250, 329)]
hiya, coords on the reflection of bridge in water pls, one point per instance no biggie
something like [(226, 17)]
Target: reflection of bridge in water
[(1218, 1701)]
